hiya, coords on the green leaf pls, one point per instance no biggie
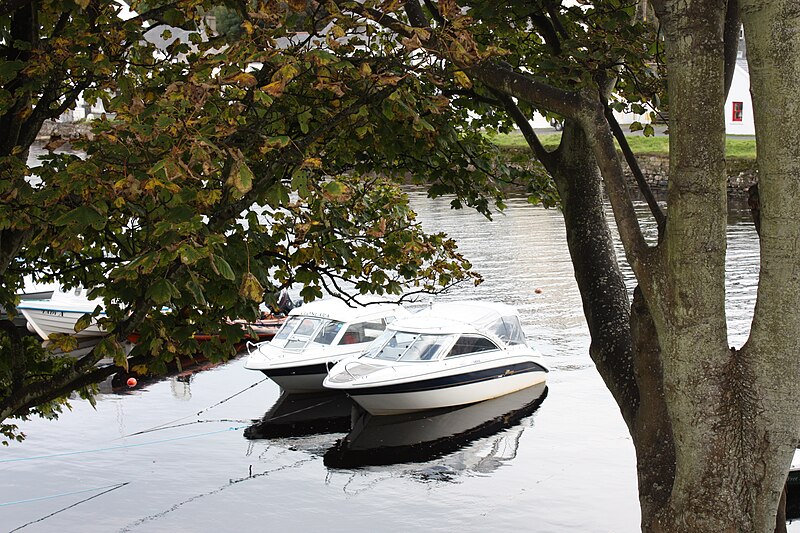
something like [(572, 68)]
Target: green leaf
[(9, 69), (243, 181), (196, 291), (80, 218), (162, 291), (110, 348), (304, 118), (83, 322), (189, 254), (221, 267), (63, 342)]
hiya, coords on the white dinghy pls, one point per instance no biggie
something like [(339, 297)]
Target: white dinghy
[(60, 313)]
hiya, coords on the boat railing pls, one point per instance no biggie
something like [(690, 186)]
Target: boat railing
[(249, 345)]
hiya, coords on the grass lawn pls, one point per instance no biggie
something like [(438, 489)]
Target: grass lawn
[(736, 148)]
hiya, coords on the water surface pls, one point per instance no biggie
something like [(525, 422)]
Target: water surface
[(567, 465)]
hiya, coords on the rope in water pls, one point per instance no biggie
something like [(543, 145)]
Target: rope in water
[(108, 488), (40, 498), (121, 446), (165, 425)]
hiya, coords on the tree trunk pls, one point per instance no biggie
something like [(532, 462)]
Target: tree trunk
[(708, 387), (624, 344), (772, 29)]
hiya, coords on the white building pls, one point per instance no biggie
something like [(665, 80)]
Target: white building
[(739, 105)]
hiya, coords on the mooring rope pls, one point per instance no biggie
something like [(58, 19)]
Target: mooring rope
[(165, 425), (108, 488), (60, 495), (121, 446)]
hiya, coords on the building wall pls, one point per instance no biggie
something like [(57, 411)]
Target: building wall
[(740, 92)]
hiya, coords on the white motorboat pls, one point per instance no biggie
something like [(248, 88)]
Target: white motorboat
[(317, 335), (60, 313), (451, 353)]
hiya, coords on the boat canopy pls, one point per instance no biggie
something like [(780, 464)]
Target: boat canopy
[(336, 309), (321, 323), (459, 317)]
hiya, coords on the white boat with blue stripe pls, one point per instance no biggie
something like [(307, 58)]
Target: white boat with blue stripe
[(317, 335), (60, 313), (451, 353)]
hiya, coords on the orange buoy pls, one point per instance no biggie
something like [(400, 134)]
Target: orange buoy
[(131, 382)]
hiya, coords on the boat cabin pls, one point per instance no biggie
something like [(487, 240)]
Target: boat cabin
[(333, 322), (423, 337)]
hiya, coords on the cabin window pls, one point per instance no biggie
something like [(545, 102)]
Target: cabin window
[(298, 331), (391, 345), (328, 332), (287, 328), (467, 344), (424, 348), (509, 330), (363, 332), (404, 346), (738, 111)]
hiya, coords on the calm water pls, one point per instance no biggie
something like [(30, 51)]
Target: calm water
[(564, 465)]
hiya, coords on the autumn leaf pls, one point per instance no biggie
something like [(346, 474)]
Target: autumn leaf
[(274, 89), (251, 288), (312, 162), (462, 79), (243, 79)]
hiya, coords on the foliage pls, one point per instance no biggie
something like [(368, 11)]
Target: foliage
[(224, 170), (41, 365)]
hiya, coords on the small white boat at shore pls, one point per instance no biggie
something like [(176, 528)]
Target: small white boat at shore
[(60, 313), (317, 335), (452, 353)]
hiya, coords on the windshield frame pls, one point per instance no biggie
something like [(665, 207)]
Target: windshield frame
[(288, 338), (409, 347)]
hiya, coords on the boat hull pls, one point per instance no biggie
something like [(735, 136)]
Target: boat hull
[(299, 379), (45, 322), (461, 389)]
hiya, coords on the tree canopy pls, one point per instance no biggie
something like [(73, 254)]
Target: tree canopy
[(225, 169)]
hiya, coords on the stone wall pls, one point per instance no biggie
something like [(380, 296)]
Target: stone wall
[(741, 173), (65, 130)]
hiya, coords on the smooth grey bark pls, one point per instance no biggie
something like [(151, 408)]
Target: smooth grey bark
[(772, 30)]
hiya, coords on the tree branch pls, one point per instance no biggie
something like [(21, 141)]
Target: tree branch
[(602, 140), (633, 164), (544, 157), (527, 88)]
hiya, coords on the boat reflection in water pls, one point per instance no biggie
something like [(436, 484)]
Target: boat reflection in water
[(418, 437), (297, 415)]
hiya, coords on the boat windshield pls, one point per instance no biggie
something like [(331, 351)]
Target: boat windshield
[(509, 330), (405, 346), (298, 331)]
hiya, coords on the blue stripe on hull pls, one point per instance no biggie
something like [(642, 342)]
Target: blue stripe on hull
[(306, 370), (452, 381)]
